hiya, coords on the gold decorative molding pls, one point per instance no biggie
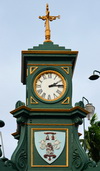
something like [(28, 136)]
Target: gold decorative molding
[(49, 64), (50, 52), (27, 72), (32, 146), (33, 101), (15, 133), (31, 124), (33, 69), (66, 101), (66, 69), (49, 109)]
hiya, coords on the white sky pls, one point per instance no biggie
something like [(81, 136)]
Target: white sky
[(20, 29)]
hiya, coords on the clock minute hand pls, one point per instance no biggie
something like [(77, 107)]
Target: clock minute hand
[(57, 82)]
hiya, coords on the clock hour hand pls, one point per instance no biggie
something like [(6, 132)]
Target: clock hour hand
[(54, 85)]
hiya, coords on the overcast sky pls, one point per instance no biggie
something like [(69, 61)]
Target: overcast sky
[(20, 29)]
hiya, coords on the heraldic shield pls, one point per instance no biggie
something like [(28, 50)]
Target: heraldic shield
[(49, 144)]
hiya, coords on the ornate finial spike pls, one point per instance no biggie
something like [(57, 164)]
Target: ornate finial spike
[(47, 7), (48, 18)]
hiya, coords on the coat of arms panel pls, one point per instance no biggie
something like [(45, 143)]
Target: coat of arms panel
[(50, 144)]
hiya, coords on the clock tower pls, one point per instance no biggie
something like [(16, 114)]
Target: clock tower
[(47, 125), (47, 72)]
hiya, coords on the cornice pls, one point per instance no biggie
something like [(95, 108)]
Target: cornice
[(58, 110), (49, 52)]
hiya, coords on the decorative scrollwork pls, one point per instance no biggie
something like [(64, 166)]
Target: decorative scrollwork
[(9, 164), (22, 159), (90, 164), (21, 120), (19, 104), (77, 162), (78, 121)]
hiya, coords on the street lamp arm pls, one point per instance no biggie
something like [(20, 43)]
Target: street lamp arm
[(95, 76), (96, 71), (85, 99)]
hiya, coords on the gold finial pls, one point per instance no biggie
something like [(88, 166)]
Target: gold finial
[(48, 18)]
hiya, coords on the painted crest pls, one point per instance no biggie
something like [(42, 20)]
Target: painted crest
[(49, 144)]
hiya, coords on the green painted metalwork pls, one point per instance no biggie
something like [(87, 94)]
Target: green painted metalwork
[(48, 116)]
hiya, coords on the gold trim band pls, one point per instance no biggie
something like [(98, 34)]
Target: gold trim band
[(49, 124), (50, 52), (50, 64), (50, 110)]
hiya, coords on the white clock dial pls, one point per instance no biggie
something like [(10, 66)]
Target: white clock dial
[(49, 85)]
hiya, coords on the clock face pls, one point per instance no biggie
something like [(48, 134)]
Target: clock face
[(49, 85)]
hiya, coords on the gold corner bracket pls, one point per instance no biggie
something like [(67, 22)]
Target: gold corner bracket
[(33, 69), (66, 69), (33, 101), (47, 19), (66, 101)]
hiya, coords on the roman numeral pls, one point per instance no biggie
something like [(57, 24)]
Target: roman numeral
[(49, 75), (55, 96), (40, 81), (49, 97), (58, 91), (43, 95), (38, 86), (44, 77), (55, 77), (40, 91)]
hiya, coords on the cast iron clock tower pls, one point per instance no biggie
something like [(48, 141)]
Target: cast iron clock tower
[(47, 125), (47, 71)]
